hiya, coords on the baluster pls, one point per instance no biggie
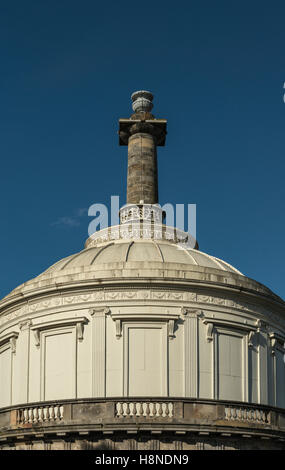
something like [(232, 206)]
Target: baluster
[(239, 414), (22, 416), (41, 414), (166, 410), (160, 410), (227, 413), (120, 409), (18, 416), (57, 413), (258, 415), (52, 414), (141, 412), (36, 415), (147, 411), (139, 409), (30, 415), (132, 409), (46, 413), (230, 411), (128, 411), (262, 416), (26, 415), (61, 410)]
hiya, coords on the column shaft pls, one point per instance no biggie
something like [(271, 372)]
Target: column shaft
[(142, 169)]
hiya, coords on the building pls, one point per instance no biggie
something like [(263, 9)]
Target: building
[(137, 343)]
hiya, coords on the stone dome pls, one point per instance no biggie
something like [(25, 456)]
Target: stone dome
[(138, 259), (130, 258), (139, 251)]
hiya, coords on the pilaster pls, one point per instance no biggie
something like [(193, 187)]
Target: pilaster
[(21, 387), (191, 351), (99, 350)]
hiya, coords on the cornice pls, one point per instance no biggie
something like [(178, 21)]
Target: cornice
[(142, 283)]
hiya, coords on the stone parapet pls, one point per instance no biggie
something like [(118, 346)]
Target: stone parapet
[(140, 415)]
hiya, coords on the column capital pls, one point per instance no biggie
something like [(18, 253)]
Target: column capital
[(99, 311)]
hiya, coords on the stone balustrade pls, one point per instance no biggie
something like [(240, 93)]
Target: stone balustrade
[(144, 409), (39, 414), (245, 413), (181, 416)]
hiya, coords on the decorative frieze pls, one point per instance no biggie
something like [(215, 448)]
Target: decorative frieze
[(137, 230), (105, 295)]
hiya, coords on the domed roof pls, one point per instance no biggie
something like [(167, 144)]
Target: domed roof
[(131, 259), (124, 251)]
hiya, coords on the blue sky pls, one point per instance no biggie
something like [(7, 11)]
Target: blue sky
[(216, 69)]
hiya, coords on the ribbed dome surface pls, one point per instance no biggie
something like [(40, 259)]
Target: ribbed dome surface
[(140, 251)]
